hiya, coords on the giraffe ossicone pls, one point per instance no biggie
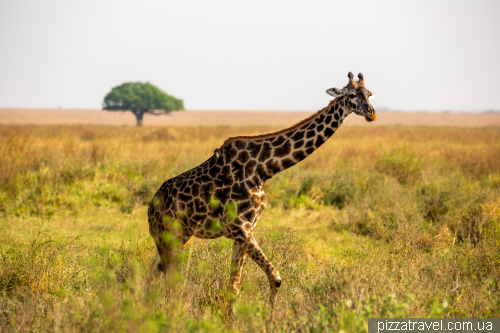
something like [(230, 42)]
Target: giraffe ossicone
[(224, 195)]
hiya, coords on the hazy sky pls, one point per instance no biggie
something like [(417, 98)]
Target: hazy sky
[(252, 55)]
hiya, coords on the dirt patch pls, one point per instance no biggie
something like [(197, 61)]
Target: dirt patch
[(234, 118)]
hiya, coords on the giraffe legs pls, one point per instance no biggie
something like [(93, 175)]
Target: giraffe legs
[(166, 258), (156, 266), (253, 250), (237, 262)]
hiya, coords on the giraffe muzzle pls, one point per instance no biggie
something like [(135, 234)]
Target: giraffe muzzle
[(371, 116)]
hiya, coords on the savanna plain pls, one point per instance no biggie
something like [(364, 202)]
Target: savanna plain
[(379, 222)]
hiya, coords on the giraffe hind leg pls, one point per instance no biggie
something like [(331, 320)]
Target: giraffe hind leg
[(161, 261), (237, 262), (160, 231), (158, 266), (169, 245)]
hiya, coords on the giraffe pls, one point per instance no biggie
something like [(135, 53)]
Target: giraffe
[(224, 195)]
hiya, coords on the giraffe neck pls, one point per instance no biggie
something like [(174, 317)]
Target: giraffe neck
[(254, 159), (292, 147)]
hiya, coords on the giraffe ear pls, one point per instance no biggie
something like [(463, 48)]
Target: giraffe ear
[(335, 92)]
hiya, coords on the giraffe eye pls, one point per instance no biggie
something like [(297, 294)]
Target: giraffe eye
[(351, 96)]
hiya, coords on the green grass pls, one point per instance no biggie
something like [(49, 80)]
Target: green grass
[(380, 222)]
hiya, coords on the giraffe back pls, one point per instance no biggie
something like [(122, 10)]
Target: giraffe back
[(209, 201)]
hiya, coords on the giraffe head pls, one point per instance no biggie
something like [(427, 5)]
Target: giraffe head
[(358, 97)]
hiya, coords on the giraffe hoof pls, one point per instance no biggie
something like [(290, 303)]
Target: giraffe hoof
[(278, 282), (231, 311)]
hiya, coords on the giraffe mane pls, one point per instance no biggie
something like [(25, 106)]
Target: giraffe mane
[(281, 131)]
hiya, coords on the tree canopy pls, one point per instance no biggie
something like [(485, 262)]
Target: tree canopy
[(141, 98)]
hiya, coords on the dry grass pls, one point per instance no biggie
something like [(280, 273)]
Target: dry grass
[(380, 222)]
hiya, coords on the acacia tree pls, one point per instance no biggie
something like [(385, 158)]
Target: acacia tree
[(141, 98)]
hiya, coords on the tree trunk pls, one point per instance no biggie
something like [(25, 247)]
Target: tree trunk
[(138, 116)]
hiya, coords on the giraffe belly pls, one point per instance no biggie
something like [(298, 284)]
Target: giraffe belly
[(209, 229)]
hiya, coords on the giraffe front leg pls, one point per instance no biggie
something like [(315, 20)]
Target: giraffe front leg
[(254, 251), (237, 262)]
